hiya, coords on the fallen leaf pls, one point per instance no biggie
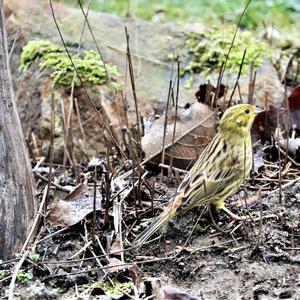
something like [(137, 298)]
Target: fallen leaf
[(116, 248), (171, 293), (264, 125), (78, 205), (136, 275), (195, 127), (79, 192), (294, 106), (116, 265), (248, 202), (206, 92)]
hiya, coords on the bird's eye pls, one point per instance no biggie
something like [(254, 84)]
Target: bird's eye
[(247, 111)]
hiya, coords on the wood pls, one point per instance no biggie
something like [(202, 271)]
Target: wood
[(16, 182)]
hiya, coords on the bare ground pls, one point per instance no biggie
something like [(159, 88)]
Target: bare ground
[(255, 259)]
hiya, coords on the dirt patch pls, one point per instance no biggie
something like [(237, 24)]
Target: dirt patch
[(253, 260)]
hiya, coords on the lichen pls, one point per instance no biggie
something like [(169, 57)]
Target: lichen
[(89, 65), (208, 51)]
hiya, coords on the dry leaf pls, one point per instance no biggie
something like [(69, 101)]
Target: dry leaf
[(116, 248), (136, 275), (115, 265), (79, 192), (79, 204), (294, 106), (206, 92), (264, 125), (195, 127), (171, 293), (248, 202)]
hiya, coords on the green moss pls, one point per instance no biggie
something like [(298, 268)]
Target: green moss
[(118, 289), (89, 66), (201, 229), (208, 51)]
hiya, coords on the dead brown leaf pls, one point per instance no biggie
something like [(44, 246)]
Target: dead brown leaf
[(264, 125), (79, 204), (171, 293), (78, 192), (247, 202), (294, 106), (115, 265), (206, 92), (116, 248), (195, 127)]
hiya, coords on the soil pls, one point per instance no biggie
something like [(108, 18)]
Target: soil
[(250, 260), (253, 262)]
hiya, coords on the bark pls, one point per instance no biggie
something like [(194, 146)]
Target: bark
[(16, 182)]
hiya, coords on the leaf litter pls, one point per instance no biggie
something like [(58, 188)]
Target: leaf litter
[(259, 251), (260, 256)]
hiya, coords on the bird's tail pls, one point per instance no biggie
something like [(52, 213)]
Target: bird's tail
[(153, 227)]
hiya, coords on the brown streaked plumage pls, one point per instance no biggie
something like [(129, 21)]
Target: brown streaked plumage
[(219, 171)]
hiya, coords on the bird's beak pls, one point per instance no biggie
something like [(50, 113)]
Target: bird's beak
[(257, 110)]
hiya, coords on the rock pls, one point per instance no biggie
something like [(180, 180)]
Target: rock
[(268, 88), (286, 294), (85, 137), (151, 45)]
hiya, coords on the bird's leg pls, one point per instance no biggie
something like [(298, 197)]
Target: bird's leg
[(220, 204), (213, 220)]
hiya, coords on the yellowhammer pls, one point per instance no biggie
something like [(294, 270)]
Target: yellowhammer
[(219, 171)]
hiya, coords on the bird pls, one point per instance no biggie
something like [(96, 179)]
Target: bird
[(218, 173)]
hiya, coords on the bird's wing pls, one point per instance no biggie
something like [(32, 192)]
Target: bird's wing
[(211, 184)]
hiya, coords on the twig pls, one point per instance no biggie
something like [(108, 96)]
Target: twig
[(94, 205), (50, 236), (103, 251), (97, 47), (176, 101), (131, 74), (15, 274), (163, 149), (204, 248), (283, 186), (279, 159), (238, 77), (86, 245), (173, 168), (232, 42), (260, 220), (60, 187), (17, 35), (51, 150), (36, 220)]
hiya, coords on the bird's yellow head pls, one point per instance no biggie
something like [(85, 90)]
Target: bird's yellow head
[(237, 120)]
